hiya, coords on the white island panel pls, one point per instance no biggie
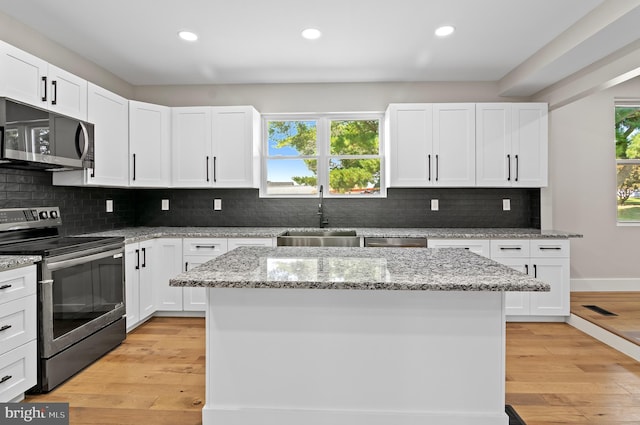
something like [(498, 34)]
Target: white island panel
[(356, 357)]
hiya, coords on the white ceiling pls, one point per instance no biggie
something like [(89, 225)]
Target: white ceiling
[(258, 41)]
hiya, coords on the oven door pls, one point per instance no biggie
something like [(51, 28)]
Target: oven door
[(79, 294)]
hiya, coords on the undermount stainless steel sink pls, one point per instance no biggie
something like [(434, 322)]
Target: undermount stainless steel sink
[(339, 238)]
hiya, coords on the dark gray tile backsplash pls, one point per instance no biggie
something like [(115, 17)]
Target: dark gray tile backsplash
[(83, 209)]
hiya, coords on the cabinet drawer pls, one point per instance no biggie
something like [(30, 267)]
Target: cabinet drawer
[(550, 248), (236, 242), (17, 283), (18, 371), (508, 248), (17, 323), (210, 247), (480, 247)]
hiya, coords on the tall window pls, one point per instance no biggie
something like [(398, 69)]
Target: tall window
[(628, 162), (341, 153)]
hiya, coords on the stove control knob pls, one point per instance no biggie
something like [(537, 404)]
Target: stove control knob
[(53, 214), (44, 215)]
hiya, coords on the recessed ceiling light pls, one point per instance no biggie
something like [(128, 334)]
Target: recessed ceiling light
[(311, 33), (445, 31), (188, 35)]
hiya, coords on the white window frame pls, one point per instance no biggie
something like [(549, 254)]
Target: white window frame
[(629, 104), (323, 150)]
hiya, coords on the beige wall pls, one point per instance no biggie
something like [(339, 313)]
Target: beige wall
[(274, 98), (583, 183), (25, 38)]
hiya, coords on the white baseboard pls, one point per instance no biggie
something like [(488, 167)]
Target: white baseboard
[(605, 285), (614, 341)]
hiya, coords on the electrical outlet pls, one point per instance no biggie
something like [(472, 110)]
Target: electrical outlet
[(435, 205), (165, 205), (217, 204), (109, 205), (506, 205)]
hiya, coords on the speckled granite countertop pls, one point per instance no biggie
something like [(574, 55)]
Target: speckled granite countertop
[(357, 268), (8, 262), (137, 234)]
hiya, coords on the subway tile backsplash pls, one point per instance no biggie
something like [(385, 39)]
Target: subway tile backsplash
[(83, 209)]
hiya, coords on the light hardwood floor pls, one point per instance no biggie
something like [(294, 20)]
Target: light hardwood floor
[(626, 306), (555, 375)]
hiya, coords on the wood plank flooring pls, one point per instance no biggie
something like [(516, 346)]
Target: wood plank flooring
[(625, 304), (555, 375)]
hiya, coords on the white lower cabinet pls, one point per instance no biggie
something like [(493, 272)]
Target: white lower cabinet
[(18, 332), (139, 282), (196, 251), (169, 264), (544, 259)]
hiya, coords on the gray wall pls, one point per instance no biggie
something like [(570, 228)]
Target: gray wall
[(583, 185)]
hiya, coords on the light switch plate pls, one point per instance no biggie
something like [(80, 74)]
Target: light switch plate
[(506, 205), (109, 205), (435, 205), (217, 204), (165, 205)]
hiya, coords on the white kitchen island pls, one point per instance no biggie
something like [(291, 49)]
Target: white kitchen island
[(355, 336)]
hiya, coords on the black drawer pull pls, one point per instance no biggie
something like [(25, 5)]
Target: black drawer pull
[(206, 246), (5, 327), (5, 379), (552, 248), (510, 248), (5, 286)]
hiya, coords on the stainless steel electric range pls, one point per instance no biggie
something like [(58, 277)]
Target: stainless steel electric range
[(81, 304)]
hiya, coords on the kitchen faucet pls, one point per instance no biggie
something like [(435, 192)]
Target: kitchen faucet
[(324, 221)]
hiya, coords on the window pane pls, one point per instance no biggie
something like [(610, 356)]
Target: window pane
[(355, 137), (354, 176), (292, 138), (628, 132), (292, 176), (629, 192)]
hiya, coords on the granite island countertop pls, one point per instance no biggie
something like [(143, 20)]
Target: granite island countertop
[(138, 234), (357, 268), (8, 262)]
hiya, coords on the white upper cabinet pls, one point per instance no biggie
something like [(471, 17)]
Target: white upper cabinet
[(149, 145), (431, 145), (31, 80), (454, 144), (191, 147), (512, 143), (110, 114), (236, 146), (215, 147)]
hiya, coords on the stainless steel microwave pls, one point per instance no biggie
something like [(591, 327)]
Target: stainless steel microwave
[(35, 138)]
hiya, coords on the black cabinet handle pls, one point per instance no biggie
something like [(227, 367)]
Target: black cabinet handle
[(144, 257), (186, 266), (5, 286), (134, 166), (5, 379), (54, 97), (526, 269), (535, 271), (510, 248), (550, 248), (517, 168), (207, 168), (44, 83), (137, 259), (437, 168), (508, 168), (214, 169), (429, 162), (206, 246), (5, 327)]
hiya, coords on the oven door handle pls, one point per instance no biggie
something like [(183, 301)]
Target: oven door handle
[(116, 253)]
